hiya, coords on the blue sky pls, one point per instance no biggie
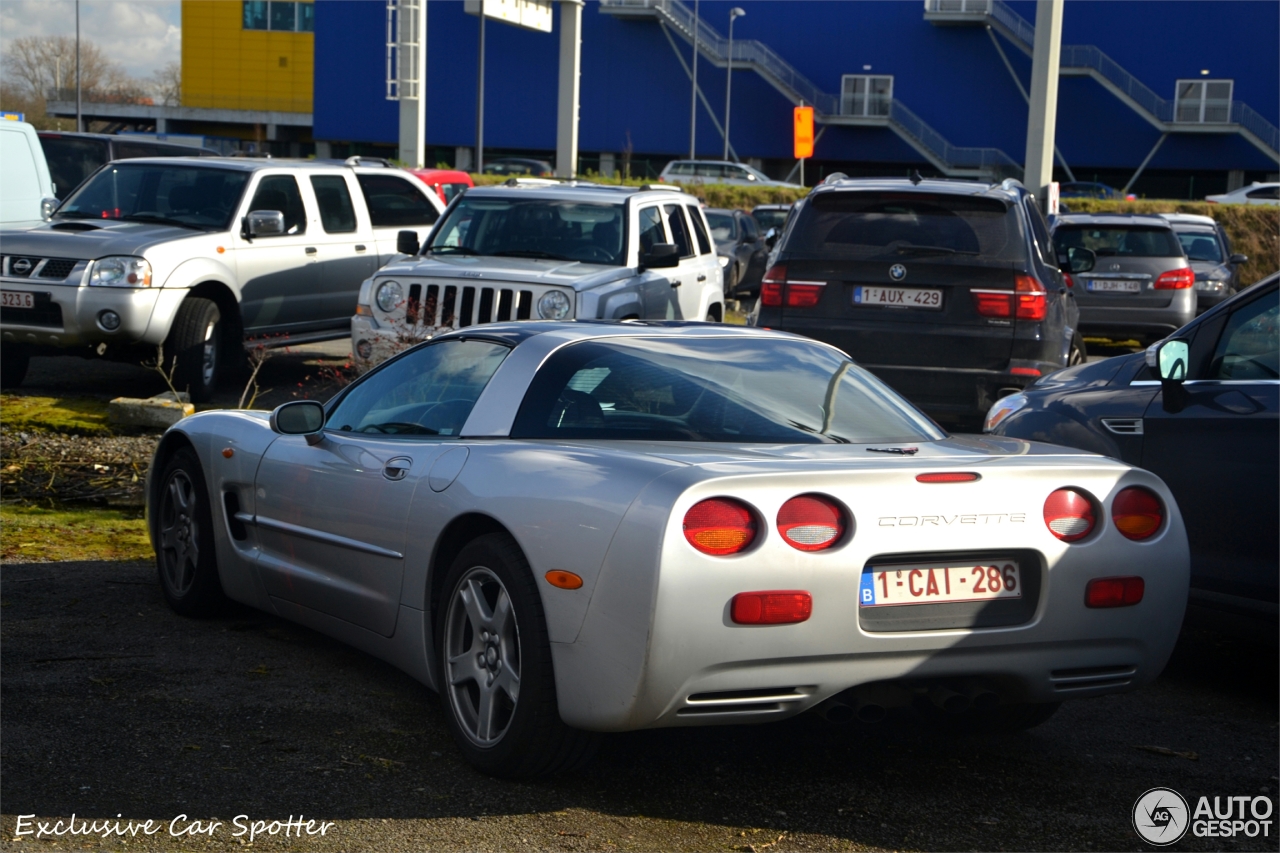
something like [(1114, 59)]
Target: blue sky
[(141, 35)]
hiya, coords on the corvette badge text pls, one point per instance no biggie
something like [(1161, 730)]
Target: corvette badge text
[(1161, 816), (952, 520), (241, 827)]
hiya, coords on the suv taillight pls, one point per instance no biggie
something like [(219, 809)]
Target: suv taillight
[(1175, 279), (992, 303), (771, 285), (1030, 296), (1026, 301)]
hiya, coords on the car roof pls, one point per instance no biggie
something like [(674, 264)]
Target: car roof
[(242, 164), (1189, 219), (515, 332), (575, 190), (1146, 220), (1006, 191)]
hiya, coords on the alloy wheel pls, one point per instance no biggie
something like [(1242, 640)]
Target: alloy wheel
[(179, 533), (482, 651)]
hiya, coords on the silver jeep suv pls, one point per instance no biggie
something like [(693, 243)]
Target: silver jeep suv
[(542, 250)]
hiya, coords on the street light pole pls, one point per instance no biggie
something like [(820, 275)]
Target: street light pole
[(479, 164), (734, 14), (79, 122), (693, 107)]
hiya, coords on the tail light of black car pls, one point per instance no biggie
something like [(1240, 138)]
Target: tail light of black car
[(775, 289), (1025, 302)]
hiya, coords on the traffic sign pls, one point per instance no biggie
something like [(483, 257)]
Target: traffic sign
[(803, 132)]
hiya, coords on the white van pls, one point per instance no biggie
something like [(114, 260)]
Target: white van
[(26, 190)]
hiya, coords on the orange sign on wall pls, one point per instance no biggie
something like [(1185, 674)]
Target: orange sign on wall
[(804, 132)]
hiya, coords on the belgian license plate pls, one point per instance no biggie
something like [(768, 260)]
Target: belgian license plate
[(1099, 285), (938, 584), (898, 297), (17, 299)]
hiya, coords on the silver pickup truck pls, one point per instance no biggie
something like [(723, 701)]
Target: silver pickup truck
[(201, 255), (542, 250)]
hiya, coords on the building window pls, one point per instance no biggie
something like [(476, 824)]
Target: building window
[(1204, 101), (278, 16), (865, 95)]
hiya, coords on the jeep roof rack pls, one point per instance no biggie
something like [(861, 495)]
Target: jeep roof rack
[(363, 160)]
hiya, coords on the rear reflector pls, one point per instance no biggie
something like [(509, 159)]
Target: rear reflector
[(811, 522), (1114, 592), (776, 607), (720, 526), (1068, 514), (1024, 371), (948, 477), (1137, 513), (563, 580), (1175, 279), (771, 285)]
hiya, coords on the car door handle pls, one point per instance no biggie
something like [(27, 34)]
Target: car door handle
[(397, 468), (675, 284), (702, 278), (311, 250), (360, 247)]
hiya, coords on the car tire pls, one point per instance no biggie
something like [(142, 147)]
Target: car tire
[(490, 625), (1002, 719), (14, 361), (1078, 354), (186, 561), (195, 341)]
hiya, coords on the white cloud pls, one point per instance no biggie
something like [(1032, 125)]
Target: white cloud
[(141, 35)]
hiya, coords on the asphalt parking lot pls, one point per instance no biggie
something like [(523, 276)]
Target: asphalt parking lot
[(113, 705)]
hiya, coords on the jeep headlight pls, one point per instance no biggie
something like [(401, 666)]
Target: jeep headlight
[(121, 271), (553, 305), (390, 294)]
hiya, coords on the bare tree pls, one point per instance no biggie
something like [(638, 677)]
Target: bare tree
[(44, 67), (167, 84)]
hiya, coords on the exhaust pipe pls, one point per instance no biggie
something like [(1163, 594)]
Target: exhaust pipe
[(835, 711), (981, 697), (948, 700), (869, 712)]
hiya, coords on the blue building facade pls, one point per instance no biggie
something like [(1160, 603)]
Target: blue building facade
[(958, 69)]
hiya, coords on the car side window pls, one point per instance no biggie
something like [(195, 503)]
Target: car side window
[(699, 230), (1040, 232), (1264, 192), (737, 173), (337, 215), (280, 192), (429, 392), (394, 201), (708, 170), (679, 231), (650, 228), (1249, 348), (749, 228)]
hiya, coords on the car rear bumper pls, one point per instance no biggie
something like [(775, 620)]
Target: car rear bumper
[(1159, 322)]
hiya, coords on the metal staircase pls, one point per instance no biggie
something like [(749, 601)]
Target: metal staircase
[(951, 160), (1086, 60)]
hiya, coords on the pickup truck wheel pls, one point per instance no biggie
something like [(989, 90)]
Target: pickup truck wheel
[(185, 558), (195, 341), (14, 360), (497, 684)]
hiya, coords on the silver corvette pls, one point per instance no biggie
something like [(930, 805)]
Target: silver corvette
[(574, 528)]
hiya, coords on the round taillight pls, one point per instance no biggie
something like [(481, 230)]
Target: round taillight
[(720, 526), (811, 522), (1137, 513), (1069, 515)]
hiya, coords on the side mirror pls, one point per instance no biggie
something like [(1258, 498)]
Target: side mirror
[(264, 223), (660, 256), (1169, 359), (1238, 259), (48, 205), (407, 242), (771, 237), (1080, 260), (300, 417)]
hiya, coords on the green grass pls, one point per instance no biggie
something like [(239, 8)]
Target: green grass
[(72, 415), (35, 534)]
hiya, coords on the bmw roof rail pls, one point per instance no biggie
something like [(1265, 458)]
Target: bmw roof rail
[(835, 176)]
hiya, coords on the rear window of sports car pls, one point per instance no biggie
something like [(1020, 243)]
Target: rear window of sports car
[(730, 389)]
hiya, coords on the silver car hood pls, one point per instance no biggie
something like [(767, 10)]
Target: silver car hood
[(575, 274), (98, 240)]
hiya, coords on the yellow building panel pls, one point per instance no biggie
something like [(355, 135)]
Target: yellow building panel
[(225, 66)]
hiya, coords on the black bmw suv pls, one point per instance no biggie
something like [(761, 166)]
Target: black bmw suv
[(950, 291)]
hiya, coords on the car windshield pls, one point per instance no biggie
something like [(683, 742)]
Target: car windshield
[(532, 228), (891, 224), (192, 196), (723, 389), (770, 218), (1201, 246), (1132, 241), (722, 226)]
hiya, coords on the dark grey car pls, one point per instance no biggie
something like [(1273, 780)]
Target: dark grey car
[(1141, 284), (742, 250), (1208, 249)]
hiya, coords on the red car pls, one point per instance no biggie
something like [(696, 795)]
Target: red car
[(446, 182)]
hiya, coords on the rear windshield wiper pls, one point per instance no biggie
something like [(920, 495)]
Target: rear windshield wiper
[(461, 250), (531, 253), (930, 250), (161, 220)]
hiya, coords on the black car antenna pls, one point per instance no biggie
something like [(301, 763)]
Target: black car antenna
[(915, 177)]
